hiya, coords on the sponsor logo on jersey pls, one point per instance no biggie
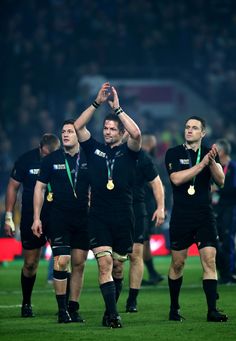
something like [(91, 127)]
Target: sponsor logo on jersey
[(184, 161), (34, 171), (59, 166), (100, 153)]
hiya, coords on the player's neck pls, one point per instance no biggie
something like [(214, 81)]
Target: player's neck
[(72, 150), (194, 146), (112, 145)]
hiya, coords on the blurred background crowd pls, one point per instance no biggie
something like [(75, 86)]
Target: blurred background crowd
[(55, 54)]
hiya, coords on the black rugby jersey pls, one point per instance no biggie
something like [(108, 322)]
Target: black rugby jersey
[(177, 159), (228, 192), (146, 171), (25, 171), (53, 171), (125, 161)]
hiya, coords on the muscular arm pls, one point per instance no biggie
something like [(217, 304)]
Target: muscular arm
[(183, 176), (134, 139), (11, 196), (159, 195), (80, 124), (39, 192), (217, 173)]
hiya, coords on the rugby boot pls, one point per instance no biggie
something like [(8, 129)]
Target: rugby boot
[(73, 310), (216, 316), (115, 321), (174, 315), (131, 307), (64, 316), (26, 311)]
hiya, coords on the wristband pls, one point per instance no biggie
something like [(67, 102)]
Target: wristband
[(9, 221), (118, 111), (95, 104), (8, 215)]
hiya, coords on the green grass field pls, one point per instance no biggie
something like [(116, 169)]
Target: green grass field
[(150, 323)]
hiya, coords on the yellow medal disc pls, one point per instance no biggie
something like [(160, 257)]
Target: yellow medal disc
[(191, 190), (110, 185), (50, 197)]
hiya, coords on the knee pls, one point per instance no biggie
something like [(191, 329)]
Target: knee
[(135, 258), (61, 262), (178, 265), (209, 264), (31, 266), (117, 271), (79, 266), (105, 264)]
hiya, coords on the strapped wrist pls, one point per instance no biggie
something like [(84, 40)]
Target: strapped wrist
[(8, 215), (118, 111), (95, 104)]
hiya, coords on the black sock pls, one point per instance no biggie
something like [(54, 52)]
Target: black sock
[(174, 288), (27, 284), (150, 267), (109, 295), (133, 293), (118, 284), (68, 288), (73, 306), (61, 301), (210, 289)]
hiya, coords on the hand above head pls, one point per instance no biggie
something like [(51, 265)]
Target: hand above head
[(114, 104), (103, 93), (9, 225)]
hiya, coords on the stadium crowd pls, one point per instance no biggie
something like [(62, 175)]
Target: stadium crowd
[(55, 52)]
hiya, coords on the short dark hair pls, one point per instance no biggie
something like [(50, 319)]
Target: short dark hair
[(115, 118), (225, 145), (51, 141), (194, 117), (68, 121)]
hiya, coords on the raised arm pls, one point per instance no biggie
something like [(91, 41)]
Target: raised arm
[(11, 196), (216, 168), (159, 195), (39, 191), (85, 117), (134, 138)]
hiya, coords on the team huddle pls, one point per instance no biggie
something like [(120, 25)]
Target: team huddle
[(89, 195)]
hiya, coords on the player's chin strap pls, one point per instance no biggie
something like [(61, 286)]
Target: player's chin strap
[(114, 255)]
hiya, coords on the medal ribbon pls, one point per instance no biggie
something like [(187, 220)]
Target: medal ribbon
[(110, 167), (73, 184), (49, 187), (190, 160)]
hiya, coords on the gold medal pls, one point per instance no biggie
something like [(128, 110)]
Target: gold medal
[(50, 197), (191, 190), (110, 185)]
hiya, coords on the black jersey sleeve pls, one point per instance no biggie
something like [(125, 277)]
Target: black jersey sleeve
[(19, 170), (45, 169), (89, 145), (147, 166), (172, 161)]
